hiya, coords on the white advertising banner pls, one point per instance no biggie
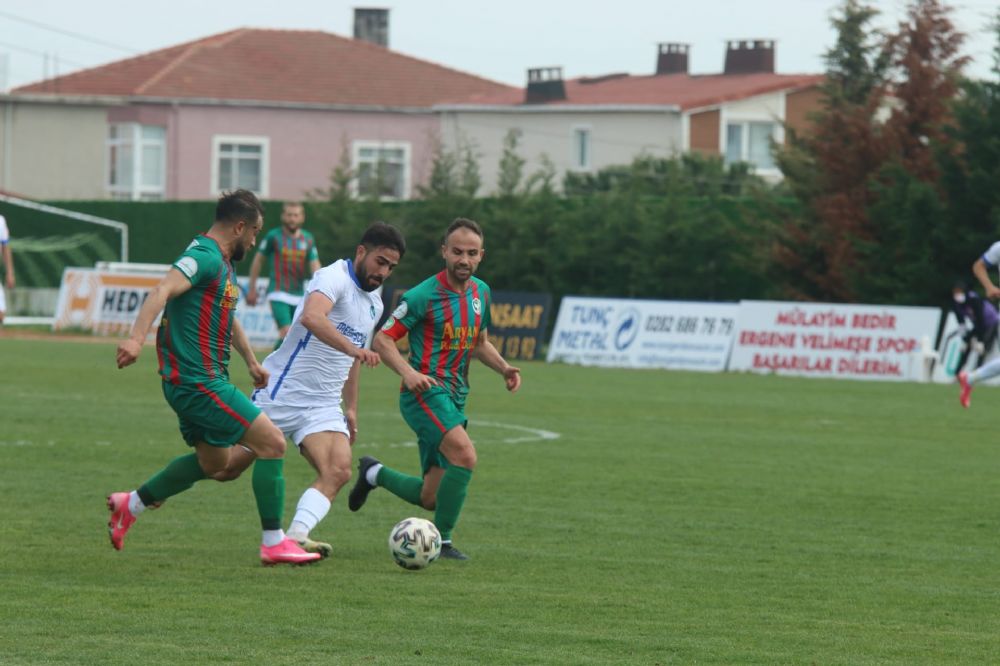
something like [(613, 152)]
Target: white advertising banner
[(107, 302), (832, 340), (643, 334)]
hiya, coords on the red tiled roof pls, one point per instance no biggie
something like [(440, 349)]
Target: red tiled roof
[(306, 66), (683, 90)]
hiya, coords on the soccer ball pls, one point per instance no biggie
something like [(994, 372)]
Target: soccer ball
[(414, 543)]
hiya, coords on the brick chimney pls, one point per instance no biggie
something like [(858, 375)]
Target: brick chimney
[(545, 84), (753, 56), (672, 58), (372, 25)]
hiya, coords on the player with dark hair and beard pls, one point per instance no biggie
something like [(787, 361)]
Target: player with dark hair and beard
[(317, 366), (198, 299)]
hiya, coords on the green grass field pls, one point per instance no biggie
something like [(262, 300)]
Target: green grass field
[(678, 518)]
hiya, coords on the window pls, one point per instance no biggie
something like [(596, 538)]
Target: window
[(382, 169), (240, 162), (750, 142), (581, 148), (137, 161)]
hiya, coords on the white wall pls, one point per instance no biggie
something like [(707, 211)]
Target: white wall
[(615, 137), (53, 151)]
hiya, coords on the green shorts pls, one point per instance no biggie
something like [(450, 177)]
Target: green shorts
[(215, 412), (430, 415), (282, 313)]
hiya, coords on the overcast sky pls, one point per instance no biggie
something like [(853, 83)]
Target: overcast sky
[(497, 40)]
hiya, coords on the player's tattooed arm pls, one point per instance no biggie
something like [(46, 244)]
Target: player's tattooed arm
[(173, 285), (241, 343)]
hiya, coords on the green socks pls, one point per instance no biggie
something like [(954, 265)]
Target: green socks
[(450, 495), (179, 475), (269, 491), (401, 485), (450, 498)]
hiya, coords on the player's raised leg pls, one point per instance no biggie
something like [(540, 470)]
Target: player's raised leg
[(372, 474), (329, 453), (268, 443), (966, 380)]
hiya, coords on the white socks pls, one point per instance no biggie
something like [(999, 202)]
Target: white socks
[(991, 369), (272, 537), (135, 505), (313, 507), (371, 476)]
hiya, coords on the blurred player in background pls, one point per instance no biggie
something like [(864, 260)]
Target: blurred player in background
[(447, 317), (198, 298), (981, 269), (8, 263), (291, 253), (319, 363), (977, 319)]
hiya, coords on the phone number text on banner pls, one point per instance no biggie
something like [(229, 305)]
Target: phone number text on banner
[(643, 334)]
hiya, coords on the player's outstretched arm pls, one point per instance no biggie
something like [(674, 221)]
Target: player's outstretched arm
[(491, 358), (8, 262), (314, 318), (982, 273), (171, 286), (255, 266), (350, 396), (241, 343)]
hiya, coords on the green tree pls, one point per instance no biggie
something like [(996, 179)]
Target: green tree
[(904, 258), (829, 168)]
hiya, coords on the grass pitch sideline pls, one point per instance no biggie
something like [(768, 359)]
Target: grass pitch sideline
[(677, 518)]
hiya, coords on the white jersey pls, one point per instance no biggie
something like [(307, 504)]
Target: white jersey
[(4, 233), (305, 371)]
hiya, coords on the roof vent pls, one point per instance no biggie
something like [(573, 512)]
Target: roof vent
[(545, 84), (372, 25), (672, 58), (754, 56)]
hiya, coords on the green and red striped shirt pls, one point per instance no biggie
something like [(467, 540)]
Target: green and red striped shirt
[(444, 327), (193, 340), (289, 257)]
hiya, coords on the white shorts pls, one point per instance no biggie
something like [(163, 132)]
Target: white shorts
[(299, 422)]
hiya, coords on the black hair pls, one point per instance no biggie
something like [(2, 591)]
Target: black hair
[(238, 205), (382, 234), (463, 223)]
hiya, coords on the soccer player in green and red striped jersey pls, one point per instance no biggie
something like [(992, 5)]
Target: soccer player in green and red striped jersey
[(290, 251), (198, 299), (447, 317)]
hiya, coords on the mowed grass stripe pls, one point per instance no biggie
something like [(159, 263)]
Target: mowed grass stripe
[(678, 518)]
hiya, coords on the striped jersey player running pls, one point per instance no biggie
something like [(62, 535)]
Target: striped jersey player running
[(291, 253), (198, 299), (318, 365), (447, 317)]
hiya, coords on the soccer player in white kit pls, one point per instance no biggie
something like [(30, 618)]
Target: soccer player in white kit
[(8, 263), (317, 366), (989, 261)]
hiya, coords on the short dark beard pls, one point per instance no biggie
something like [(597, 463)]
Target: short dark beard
[(238, 253)]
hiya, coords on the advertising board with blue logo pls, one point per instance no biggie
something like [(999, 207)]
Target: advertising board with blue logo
[(616, 332)]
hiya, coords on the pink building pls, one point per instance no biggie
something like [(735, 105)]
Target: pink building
[(274, 111)]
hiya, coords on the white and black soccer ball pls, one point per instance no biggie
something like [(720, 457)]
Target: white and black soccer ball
[(414, 543)]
